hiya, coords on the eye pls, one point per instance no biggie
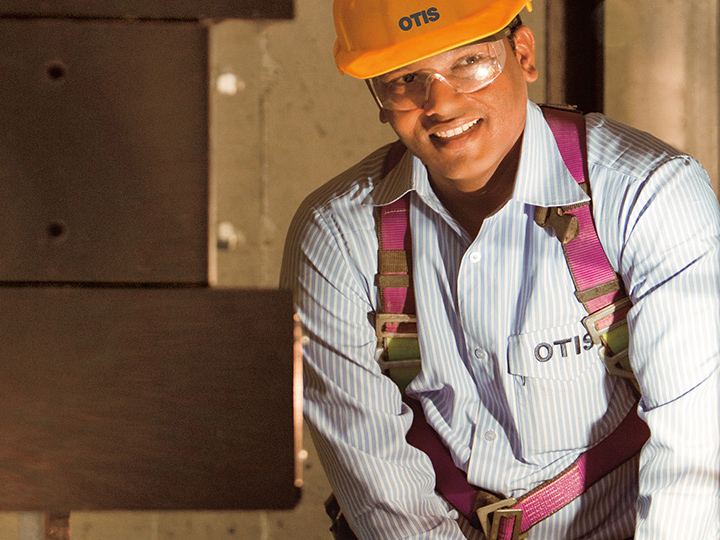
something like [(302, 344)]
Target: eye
[(404, 81), (472, 59), (407, 78)]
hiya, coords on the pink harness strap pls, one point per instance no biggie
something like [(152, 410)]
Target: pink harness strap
[(449, 480), (617, 448), (586, 259), (394, 236)]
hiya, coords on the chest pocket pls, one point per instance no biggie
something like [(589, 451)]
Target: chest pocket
[(561, 388), (561, 353)]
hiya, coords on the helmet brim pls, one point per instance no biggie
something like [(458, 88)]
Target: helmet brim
[(371, 63)]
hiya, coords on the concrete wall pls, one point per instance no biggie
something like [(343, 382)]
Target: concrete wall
[(295, 123), (662, 72), (284, 121)]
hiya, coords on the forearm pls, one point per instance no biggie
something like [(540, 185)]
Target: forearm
[(680, 467), (385, 486), (672, 267)]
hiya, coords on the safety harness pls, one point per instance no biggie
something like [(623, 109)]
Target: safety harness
[(598, 288)]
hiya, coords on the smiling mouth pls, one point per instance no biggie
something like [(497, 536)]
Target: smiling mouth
[(455, 132)]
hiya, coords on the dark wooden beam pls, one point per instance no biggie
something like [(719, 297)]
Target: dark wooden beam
[(575, 54), (146, 399), (142, 9)]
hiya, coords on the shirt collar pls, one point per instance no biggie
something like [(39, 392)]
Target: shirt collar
[(409, 174), (542, 177)]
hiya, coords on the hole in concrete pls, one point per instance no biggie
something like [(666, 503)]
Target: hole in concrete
[(56, 71), (56, 230)]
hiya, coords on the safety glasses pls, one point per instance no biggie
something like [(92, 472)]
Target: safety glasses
[(466, 69)]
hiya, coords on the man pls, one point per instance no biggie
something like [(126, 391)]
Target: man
[(509, 380)]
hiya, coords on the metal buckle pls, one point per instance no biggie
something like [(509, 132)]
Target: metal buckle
[(381, 319), (613, 362), (385, 363), (490, 517), (564, 224), (590, 321)]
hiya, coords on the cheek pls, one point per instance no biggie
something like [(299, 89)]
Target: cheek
[(403, 123), (511, 103), (514, 88)]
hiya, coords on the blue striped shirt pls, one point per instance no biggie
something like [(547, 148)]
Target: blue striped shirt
[(484, 305)]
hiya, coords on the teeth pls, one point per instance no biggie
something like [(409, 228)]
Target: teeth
[(456, 131)]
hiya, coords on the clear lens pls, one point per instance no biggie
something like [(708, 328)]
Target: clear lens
[(466, 69)]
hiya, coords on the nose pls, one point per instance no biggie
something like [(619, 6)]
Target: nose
[(429, 83), (438, 96)]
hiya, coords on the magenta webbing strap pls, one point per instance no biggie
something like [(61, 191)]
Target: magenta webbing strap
[(449, 480), (568, 128), (394, 235), (588, 262), (551, 496), (543, 501), (585, 255)]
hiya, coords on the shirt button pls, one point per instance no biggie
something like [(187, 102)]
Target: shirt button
[(474, 257), (480, 354), (490, 436)]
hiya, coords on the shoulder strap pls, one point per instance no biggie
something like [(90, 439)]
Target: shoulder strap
[(398, 351), (598, 287), (398, 348)]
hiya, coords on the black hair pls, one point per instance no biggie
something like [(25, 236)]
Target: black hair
[(513, 26)]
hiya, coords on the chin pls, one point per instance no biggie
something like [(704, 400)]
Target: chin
[(465, 168)]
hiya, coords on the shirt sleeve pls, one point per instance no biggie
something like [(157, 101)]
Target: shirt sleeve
[(355, 414), (670, 262)]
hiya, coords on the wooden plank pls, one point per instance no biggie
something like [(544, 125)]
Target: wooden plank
[(104, 155), (165, 9), (149, 398), (575, 54)]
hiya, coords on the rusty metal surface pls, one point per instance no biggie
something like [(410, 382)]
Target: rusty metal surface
[(146, 399)]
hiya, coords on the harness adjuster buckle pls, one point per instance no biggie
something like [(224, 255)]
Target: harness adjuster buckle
[(590, 322), (382, 320), (613, 362), (491, 516), (385, 363), (384, 336)]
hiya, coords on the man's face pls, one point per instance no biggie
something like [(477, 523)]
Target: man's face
[(462, 137)]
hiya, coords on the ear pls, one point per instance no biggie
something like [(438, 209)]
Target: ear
[(525, 52), (384, 116)]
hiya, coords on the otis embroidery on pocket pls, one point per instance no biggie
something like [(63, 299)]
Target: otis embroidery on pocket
[(418, 19), (544, 351)]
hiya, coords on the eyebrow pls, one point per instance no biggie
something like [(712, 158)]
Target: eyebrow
[(387, 77)]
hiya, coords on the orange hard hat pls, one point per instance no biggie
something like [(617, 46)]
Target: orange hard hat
[(378, 36)]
